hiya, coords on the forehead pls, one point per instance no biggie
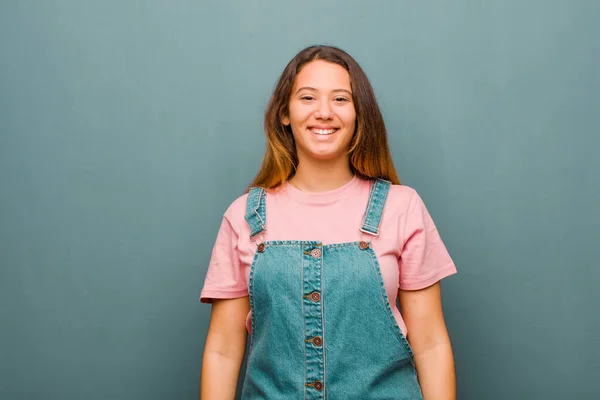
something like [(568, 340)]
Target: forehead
[(323, 75)]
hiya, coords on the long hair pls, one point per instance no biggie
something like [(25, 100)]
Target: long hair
[(369, 153)]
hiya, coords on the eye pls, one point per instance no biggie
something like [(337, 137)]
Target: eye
[(341, 99), (307, 97)]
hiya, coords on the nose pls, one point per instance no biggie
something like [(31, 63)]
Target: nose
[(324, 110)]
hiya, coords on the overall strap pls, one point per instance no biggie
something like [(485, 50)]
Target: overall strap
[(256, 211), (377, 197)]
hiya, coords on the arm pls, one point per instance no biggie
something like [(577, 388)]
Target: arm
[(224, 349), (428, 337)]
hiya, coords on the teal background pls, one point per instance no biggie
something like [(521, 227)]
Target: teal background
[(127, 128)]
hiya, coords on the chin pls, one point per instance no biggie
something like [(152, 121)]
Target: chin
[(326, 156)]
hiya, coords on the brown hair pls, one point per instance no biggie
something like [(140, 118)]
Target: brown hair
[(369, 153)]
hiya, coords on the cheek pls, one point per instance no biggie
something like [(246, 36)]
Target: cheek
[(298, 115), (349, 119)]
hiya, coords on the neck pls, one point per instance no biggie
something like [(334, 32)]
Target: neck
[(322, 176)]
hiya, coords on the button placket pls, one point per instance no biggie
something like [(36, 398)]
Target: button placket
[(313, 319)]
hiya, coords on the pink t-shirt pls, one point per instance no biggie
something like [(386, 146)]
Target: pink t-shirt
[(409, 248)]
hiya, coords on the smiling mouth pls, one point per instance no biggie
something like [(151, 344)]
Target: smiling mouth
[(323, 132)]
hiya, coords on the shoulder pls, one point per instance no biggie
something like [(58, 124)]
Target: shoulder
[(400, 197), (236, 212)]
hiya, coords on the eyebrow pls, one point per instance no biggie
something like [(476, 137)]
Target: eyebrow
[(315, 90)]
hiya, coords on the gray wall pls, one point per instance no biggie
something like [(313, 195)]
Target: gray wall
[(127, 127)]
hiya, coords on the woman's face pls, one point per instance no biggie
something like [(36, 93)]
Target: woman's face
[(321, 111)]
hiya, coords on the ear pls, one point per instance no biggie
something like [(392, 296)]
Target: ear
[(285, 120)]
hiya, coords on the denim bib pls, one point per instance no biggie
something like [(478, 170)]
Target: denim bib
[(322, 325)]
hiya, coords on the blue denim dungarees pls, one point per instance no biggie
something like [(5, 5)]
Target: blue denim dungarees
[(322, 325)]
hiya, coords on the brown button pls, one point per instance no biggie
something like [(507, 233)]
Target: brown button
[(315, 296), (316, 253), (318, 385), (317, 341), (363, 245), (261, 247)]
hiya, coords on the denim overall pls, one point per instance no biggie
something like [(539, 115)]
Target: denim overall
[(322, 325)]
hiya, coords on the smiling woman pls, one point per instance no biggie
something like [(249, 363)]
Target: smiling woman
[(322, 115), (321, 112), (313, 258), (327, 88)]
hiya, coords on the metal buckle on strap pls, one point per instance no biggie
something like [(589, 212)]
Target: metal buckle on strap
[(368, 233)]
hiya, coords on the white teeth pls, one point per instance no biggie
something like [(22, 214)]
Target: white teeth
[(323, 131)]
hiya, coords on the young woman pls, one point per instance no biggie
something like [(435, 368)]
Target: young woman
[(312, 259)]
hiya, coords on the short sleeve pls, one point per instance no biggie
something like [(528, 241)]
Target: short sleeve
[(225, 279), (424, 260)]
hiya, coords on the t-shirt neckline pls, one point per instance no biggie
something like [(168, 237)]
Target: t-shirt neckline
[(330, 196)]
